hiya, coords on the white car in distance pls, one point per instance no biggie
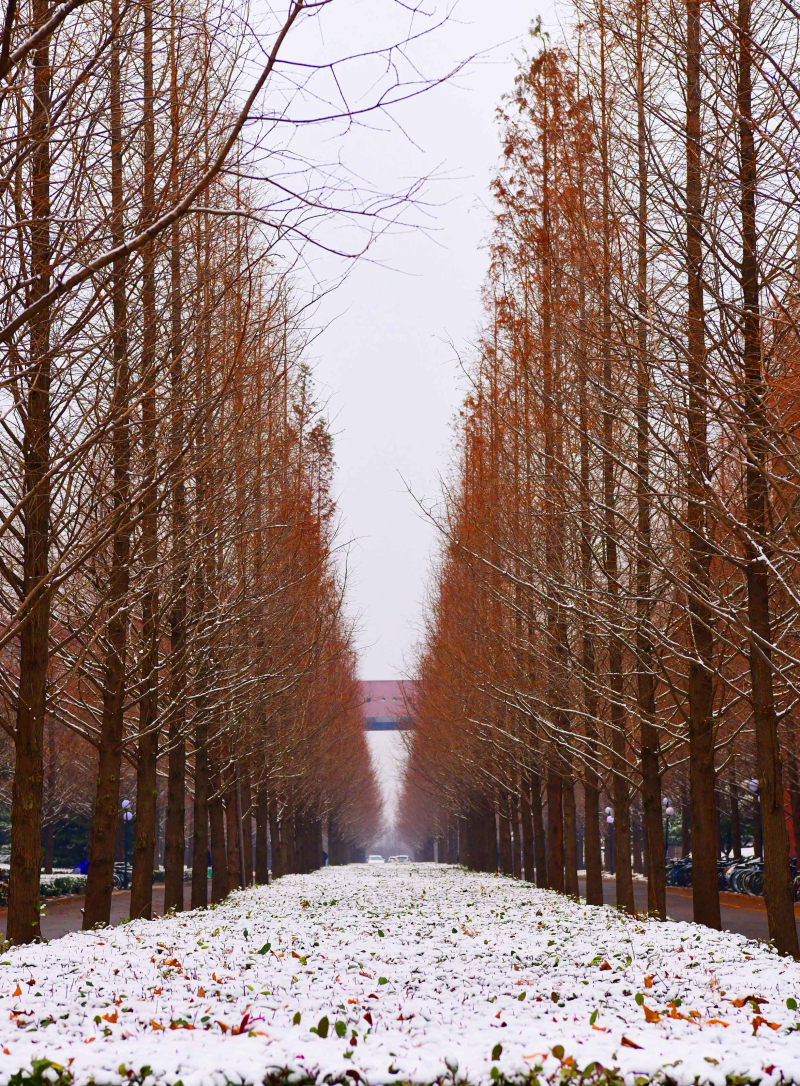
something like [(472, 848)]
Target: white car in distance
[(375, 860)]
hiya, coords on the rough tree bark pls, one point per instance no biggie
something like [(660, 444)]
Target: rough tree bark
[(26, 802), (705, 893), (100, 878), (778, 892)]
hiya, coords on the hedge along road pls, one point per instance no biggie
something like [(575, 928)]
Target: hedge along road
[(66, 914)]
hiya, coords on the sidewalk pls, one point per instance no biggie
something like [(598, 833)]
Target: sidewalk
[(741, 913)]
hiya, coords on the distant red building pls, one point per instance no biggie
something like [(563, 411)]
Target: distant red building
[(384, 706)]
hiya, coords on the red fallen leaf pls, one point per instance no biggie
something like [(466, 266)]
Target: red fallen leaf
[(7, 1051), (695, 1014), (223, 1026), (353, 1074), (770, 1069), (295, 954), (110, 1017), (155, 1025), (368, 975), (759, 1021), (372, 996), (648, 981), (673, 1013), (201, 992), (717, 1022), (601, 1029), (650, 1015), (17, 991), (626, 1043), (405, 1018), (748, 999), (156, 991), (172, 961), (368, 1018), (352, 1001), (30, 982), (604, 965)]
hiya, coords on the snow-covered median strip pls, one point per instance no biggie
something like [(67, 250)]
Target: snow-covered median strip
[(411, 974)]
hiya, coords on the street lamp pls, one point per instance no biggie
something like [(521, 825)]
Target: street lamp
[(669, 811), (127, 816), (610, 850), (753, 787)]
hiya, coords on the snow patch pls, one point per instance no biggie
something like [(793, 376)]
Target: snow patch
[(423, 972)]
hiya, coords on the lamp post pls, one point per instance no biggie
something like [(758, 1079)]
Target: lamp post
[(127, 817), (610, 858), (752, 787), (669, 811)]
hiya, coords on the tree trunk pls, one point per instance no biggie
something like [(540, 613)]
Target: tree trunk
[(736, 828), (175, 832), (26, 803), (555, 830), (526, 832), (100, 878), (778, 893), (705, 893), (147, 755), (570, 840), (144, 842), (506, 859), (686, 825), (49, 826), (232, 826), (247, 826), (200, 818), (538, 831), (176, 792), (275, 838), (216, 826), (262, 828)]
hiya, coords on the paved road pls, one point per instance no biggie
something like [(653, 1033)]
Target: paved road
[(747, 918), (67, 915)]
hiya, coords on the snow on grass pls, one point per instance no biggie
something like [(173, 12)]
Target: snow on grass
[(409, 974)]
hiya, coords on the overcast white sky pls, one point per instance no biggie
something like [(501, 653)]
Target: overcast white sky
[(387, 361)]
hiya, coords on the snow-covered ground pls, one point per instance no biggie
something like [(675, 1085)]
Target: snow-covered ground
[(419, 973)]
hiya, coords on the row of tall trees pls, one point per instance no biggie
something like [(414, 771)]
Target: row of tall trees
[(168, 580), (616, 602)]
